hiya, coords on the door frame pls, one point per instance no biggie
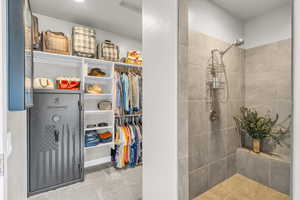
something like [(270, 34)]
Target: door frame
[(3, 97)]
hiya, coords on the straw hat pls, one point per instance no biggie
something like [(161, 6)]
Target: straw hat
[(94, 89), (96, 72)]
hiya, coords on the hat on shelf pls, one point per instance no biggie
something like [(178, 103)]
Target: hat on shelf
[(96, 72)]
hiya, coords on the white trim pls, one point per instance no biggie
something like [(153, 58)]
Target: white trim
[(3, 96), (160, 99), (96, 162)]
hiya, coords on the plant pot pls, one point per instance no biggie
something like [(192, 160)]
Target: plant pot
[(256, 145)]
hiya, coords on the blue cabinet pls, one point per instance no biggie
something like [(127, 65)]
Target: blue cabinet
[(20, 60)]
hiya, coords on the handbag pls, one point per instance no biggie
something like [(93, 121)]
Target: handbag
[(105, 105), (65, 83), (84, 42), (55, 42), (36, 39), (43, 83), (108, 51)]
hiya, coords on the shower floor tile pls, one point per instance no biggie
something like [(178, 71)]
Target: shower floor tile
[(239, 187)]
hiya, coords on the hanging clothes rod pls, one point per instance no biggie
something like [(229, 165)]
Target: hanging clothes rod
[(133, 115)]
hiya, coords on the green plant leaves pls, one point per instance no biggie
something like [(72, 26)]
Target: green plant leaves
[(258, 127)]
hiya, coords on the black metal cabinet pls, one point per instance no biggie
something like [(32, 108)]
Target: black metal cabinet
[(55, 140)]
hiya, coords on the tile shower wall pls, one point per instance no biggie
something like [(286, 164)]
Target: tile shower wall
[(268, 86), (273, 172), (212, 145)]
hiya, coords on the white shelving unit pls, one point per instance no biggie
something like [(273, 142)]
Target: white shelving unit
[(92, 113), (53, 65)]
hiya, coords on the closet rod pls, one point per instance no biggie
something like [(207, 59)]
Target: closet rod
[(133, 115)]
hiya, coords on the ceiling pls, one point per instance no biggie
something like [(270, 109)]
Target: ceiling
[(246, 10), (123, 17)]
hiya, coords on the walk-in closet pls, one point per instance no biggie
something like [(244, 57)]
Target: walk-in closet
[(86, 104)]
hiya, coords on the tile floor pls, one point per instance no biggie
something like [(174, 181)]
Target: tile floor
[(104, 184), (241, 188)]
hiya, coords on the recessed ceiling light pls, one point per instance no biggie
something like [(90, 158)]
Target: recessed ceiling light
[(79, 1)]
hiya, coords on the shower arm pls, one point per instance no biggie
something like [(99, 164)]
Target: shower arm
[(227, 49)]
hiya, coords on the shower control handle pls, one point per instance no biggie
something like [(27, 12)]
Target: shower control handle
[(56, 135)]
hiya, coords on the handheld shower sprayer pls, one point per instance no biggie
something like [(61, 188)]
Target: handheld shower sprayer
[(218, 76), (236, 43)]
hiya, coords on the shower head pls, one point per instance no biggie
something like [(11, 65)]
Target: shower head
[(236, 43)]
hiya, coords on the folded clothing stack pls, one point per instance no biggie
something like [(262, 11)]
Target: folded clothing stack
[(105, 137), (92, 138)]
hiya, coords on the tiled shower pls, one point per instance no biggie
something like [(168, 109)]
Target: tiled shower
[(260, 77)]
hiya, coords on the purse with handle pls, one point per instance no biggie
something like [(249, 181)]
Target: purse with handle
[(84, 42), (105, 105), (108, 51), (36, 39), (43, 83), (55, 42)]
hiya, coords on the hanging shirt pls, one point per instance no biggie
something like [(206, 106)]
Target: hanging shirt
[(125, 89)]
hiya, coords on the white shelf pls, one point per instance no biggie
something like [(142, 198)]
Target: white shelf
[(97, 111), (96, 162), (100, 145), (96, 95), (60, 59), (98, 128), (56, 59), (96, 61)]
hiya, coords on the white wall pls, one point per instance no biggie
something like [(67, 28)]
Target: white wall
[(207, 18), (57, 25), (17, 161), (271, 27), (210, 19), (3, 96), (160, 37)]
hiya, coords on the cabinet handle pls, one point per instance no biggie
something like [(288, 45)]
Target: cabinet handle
[(56, 135)]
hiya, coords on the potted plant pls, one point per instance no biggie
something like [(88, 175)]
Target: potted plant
[(259, 127)]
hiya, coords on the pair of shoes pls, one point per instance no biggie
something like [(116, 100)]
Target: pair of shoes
[(94, 89), (102, 124)]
